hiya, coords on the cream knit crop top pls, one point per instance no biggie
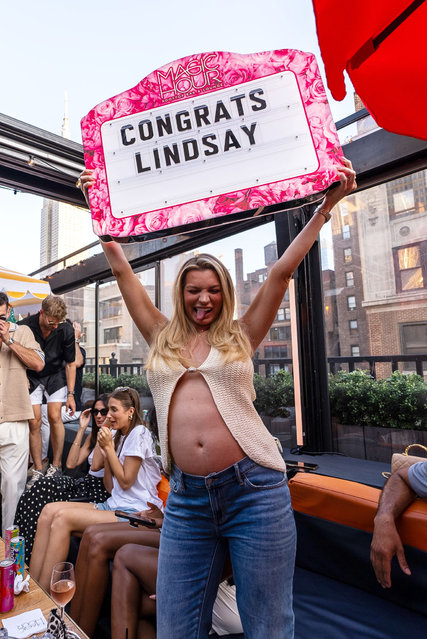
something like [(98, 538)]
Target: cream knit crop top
[(231, 385)]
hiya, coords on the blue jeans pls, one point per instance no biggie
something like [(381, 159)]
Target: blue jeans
[(245, 508)]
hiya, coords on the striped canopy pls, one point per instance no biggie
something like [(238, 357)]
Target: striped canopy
[(25, 293)]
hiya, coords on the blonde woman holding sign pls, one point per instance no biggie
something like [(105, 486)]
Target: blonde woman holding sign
[(228, 482)]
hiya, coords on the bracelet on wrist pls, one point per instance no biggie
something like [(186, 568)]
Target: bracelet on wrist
[(70, 392), (325, 214)]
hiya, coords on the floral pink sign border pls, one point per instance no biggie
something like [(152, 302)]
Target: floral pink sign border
[(232, 69)]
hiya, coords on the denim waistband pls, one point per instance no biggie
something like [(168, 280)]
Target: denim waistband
[(232, 473)]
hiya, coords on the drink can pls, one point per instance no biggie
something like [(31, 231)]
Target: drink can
[(7, 580), (11, 531), (17, 553)]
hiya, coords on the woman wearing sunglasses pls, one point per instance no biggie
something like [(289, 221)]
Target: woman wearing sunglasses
[(131, 476), (66, 488)]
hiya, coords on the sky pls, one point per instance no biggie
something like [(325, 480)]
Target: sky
[(95, 50)]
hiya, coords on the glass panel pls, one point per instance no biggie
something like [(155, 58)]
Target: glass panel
[(379, 314), (409, 257), (122, 350), (412, 278), (403, 201), (349, 278), (347, 256), (249, 256), (81, 308)]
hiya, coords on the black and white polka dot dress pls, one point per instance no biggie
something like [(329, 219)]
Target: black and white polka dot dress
[(50, 489)]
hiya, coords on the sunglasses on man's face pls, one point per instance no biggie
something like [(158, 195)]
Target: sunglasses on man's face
[(103, 411)]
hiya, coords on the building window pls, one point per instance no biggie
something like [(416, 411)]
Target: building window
[(404, 201), (287, 313), (351, 302), (113, 334), (414, 338), (346, 232), (410, 267), (352, 325), (355, 351), (262, 277), (280, 315), (270, 352), (349, 278), (110, 308), (348, 257), (280, 333), (274, 368)]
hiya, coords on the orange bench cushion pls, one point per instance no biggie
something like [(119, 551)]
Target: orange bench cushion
[(163, 489), (353, 504)]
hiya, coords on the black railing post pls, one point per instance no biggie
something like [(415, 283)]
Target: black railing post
[(316, 415), (113, 365), (96, 338)]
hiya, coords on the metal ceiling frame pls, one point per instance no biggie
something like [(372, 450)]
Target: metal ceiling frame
[(35, 161), (39, 162)]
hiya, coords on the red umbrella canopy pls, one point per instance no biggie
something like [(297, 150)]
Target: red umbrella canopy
[(383, 46)]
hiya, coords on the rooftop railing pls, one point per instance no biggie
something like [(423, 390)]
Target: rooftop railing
[(409, 363)]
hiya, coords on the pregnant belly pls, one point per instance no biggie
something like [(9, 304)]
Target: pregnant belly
[(199, 440)]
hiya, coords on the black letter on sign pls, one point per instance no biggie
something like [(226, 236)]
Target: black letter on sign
[(171, 154), (238, 100), (262, 104), (221, 112), (149, 127), (164, 125), (250, 133), (156, 158), (183, 125), (139, 167), (201, 113), (206, 141), (230, 140), (187, 150), (127, 127)]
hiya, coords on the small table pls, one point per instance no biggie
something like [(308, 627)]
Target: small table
[(37, 597)]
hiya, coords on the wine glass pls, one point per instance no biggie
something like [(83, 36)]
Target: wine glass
[(62, 584)]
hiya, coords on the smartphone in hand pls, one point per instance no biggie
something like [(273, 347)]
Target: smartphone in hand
[(136, 521)]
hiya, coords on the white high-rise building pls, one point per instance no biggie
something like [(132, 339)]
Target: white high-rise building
[(64, 228)]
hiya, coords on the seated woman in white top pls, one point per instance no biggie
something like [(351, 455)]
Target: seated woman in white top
[(64, 487), (131, 476)]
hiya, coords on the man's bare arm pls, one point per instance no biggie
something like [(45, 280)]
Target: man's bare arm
[(29, 357), (395, 498), (70, 375)]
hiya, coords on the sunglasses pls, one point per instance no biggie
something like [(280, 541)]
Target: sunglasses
[(103, 411), (3, 317), (54, 323), (122, 388)]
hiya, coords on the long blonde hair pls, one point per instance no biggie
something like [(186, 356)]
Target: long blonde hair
[(225, 333)]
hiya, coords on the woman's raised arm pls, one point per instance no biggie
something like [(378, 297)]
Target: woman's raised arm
[(146, 316), (263, 309)]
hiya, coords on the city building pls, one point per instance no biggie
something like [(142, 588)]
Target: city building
[(64, 228)]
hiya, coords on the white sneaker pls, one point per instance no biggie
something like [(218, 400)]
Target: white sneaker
[(45, 465), (35, 476), (53, 471)]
